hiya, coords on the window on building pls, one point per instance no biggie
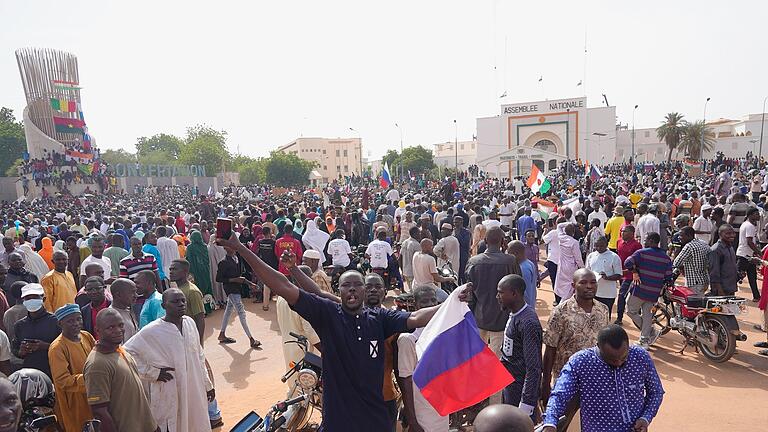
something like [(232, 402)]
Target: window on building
[(552, 164), (337, 153), (346, 168), (325, 167), (338, 168), (547, 145), (323, 151), (647, 134), (345, 153)]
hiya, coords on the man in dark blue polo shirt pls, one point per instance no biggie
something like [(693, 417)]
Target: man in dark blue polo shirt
[(352, 336)]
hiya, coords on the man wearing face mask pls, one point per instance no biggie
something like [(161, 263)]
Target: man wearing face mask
[(36, 331)]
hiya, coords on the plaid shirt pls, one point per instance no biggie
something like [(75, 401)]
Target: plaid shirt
[(694, 259)]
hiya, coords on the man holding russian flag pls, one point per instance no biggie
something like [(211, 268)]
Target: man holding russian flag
[(352, 336)]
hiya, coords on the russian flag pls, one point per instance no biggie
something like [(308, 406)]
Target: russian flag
[(385, 180), (594, 172), (456, 369)]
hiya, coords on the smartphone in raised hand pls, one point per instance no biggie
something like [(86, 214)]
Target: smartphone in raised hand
[(223, 228)]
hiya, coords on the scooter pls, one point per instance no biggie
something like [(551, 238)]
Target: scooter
[(292, 414)]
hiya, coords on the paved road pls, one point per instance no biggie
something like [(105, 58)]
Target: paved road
[(699, 394)]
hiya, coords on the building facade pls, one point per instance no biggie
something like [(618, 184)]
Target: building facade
[(447, 156), (544, 133), (335, 158), (734, 138)]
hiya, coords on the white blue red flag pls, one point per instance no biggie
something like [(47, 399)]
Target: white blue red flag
[(594, 172), (456, 369), (385, 180)]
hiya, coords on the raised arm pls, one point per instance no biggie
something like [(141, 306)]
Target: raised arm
[(275, 280)]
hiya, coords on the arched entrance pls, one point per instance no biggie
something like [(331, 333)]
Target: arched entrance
[(546, 144)]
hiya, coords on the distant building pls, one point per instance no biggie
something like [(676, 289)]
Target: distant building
[(335, 157), (732, 137), (446, 156), (544, 133)]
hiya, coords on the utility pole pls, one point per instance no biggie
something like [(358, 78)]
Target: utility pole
[(632, 156), (762, 126), (456, 145), (703, 129)]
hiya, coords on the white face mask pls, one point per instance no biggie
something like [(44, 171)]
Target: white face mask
[(33, 305)]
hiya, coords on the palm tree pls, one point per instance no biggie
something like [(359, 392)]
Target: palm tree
[(697, 138), (671, 131)]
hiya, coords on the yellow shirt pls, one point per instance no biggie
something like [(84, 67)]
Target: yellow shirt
[(613, 229), (634, 199), (67, 360), (60, 289)]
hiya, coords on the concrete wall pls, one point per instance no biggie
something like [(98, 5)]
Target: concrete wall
[(8, 188)]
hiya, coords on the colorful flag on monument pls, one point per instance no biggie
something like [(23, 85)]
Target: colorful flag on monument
[(451, 354), (66, 85), (68, 125), (64, 105), (537, 182)]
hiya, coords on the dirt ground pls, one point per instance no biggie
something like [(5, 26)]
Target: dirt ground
[(699, 393)]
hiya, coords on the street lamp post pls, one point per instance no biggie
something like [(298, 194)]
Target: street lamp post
[(456, 145), (704, 128), (762, 126), (401, 149), (359, 149), (632, 156)]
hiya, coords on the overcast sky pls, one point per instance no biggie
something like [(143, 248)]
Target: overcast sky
[(269, 71)]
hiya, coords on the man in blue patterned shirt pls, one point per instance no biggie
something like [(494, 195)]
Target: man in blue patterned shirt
[(619, 387)]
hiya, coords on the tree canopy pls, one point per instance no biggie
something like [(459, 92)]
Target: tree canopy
[(12, 141), (285, 169), (671, 132), (415, 159), (161, 143)]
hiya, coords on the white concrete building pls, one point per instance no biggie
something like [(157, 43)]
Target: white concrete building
[(732, 137), (335, 158), (446, 156), (544, 133)]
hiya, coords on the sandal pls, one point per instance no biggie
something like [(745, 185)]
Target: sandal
[(226, 340), (760, 344), (763, 352), (255, 344), (265, 308)]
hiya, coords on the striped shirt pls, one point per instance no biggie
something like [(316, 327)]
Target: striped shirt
[(655, 268), (130, 266)]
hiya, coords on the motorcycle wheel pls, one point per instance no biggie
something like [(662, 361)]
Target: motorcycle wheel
[(726, 341), (660, 318)]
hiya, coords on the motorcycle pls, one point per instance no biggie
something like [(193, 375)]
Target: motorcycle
[(706, 322), (405, 301), (292, 414)]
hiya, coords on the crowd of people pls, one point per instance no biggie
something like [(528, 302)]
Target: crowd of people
[(58, 171), (108, 295)]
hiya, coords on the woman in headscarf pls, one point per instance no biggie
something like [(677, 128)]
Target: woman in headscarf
[(180, 242), (59, 245), (34, 262), (298, 227), (46, 252), (256, 231), (126, 239), (315, 239), (216, 254), (200, 265)]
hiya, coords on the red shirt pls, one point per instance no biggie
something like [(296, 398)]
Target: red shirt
[(95, 311), (284, 243), (625, 250)]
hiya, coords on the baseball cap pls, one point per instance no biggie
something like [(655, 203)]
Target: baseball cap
[(32, 288), (706, 207)]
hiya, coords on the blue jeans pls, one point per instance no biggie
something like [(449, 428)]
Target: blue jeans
[(213, 410), (623, 291), (235, 301)]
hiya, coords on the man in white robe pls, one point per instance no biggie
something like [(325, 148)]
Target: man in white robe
[(169, 249), (171, 364), (570, 261)]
